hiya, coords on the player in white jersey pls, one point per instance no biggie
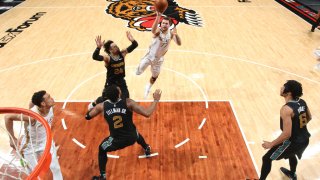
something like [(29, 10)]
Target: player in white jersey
[(34, 141), (162, 37)]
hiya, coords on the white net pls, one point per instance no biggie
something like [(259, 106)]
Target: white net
[(21, 150)]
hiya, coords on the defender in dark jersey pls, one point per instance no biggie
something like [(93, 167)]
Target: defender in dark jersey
[(294, 139), (115, 64), (118, 114)]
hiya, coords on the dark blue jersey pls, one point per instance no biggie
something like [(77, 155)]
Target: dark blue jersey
[(119, 119), (116, 69), (299, 132)]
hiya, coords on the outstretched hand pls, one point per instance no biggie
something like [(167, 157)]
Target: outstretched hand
[(158, 13), (99, 42), (129, 36), (157, 94), (174, 31)]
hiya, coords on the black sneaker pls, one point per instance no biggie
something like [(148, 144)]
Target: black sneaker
[(147, 151), (98, 178), (288, 173)]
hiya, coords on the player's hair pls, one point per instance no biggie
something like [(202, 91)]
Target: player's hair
[(112, 93), (168, 19), (37, 97), (294, 87), (107, 45)]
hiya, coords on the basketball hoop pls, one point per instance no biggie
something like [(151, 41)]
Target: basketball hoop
[(44, 162)]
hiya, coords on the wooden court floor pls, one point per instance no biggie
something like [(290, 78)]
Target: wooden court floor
[(219, 140), (242, 53)]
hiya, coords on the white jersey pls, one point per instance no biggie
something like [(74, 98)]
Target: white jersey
[(159, 46), (35, 137)]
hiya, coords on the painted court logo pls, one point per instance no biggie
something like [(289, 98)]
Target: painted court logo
[(141, 13), (13, 32)]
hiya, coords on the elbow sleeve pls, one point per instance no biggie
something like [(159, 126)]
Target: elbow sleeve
[(132, 46), (96, 55)]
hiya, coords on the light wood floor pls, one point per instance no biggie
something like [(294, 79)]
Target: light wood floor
[(243, 53)]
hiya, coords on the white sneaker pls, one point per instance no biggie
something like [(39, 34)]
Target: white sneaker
[(90, 106), (146, 91)]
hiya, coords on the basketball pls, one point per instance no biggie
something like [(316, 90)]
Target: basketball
[(161, 5)]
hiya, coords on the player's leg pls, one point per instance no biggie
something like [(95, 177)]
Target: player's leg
[(144, 63), (54, 165), (293, 151), (108, 145), (124, 90), (143, 144), (102, 157), (275, 153), (155, 71), (266, 164)]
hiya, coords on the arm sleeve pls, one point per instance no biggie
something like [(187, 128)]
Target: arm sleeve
[(132, 46), (96, 55)]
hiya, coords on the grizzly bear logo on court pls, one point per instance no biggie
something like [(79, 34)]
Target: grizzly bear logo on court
[(141, 13)]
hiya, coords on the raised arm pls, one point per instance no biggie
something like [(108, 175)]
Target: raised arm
[(94, 112), (96, 54), (9, 118), (155, 29), (176, 37), (146, 112), (134, 44)]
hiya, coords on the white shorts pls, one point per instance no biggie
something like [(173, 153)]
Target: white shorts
[(155, 66), (32, 161)]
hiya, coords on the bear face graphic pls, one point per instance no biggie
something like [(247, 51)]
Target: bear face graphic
[(141, 14)]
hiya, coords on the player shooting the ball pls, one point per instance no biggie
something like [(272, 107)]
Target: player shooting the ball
[(162, 36)]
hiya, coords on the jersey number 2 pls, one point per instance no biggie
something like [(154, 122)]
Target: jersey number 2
[(117, 122)]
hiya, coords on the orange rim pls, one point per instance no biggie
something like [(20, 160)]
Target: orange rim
[(45, 160)]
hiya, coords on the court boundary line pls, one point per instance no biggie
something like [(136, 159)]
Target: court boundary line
[(244, 138)]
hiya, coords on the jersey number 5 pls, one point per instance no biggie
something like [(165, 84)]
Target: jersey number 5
[(117, 122), (303, 119)]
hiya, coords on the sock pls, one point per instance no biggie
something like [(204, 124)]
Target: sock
[(103, 174)]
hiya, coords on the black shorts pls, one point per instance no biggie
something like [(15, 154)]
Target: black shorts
[(112, 144), (121, 84), (286, 150)]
